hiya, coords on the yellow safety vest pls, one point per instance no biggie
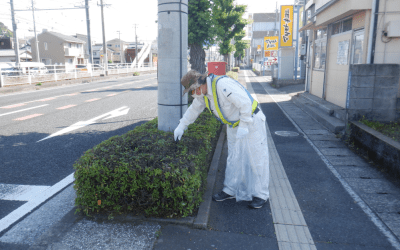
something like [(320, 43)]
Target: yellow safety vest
[(216, 104)]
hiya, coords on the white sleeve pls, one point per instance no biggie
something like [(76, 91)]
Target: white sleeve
[(193, 112), (236, 95)]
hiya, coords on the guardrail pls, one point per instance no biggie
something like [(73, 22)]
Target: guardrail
[(51, 73)]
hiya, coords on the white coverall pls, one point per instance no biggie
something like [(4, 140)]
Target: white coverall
[(247, 168)]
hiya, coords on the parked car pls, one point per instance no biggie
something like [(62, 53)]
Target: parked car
[(11, 71), (97, 67), (81, 68), (38, 71)]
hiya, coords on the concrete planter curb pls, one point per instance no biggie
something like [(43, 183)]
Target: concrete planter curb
[(203, 214), (380, 148)]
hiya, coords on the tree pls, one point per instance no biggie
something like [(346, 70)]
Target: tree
[(229, 22), (240, 46), (201, 32)]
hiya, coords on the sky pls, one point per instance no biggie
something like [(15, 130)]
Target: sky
[(120, 15)]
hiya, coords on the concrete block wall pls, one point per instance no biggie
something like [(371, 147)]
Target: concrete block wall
[(372, 92)]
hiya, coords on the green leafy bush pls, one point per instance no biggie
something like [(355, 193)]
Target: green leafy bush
[(146, 171), (136, 73), (233, 75), (235, 69)]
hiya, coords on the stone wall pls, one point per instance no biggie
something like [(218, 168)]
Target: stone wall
[(372, 92)]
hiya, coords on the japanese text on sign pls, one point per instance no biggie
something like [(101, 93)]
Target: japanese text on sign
[(271, 43), (286, 32)]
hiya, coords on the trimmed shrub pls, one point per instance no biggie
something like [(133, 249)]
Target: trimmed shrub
[(146, 171), (136, 73), (235, 69), (233, 75)]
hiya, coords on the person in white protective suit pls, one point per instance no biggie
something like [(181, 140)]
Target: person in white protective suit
[(247, 168)]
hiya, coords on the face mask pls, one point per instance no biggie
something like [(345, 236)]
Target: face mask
[(194, 95)]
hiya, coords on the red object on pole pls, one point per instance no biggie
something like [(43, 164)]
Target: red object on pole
[(217, 68)]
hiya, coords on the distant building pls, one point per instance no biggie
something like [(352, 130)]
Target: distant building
[(98, 54), (264, 24), (57, 48), (86, 45), (6, 43), (8, 55), (119, 53)]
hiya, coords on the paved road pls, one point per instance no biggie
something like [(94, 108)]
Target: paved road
[(43, 133), (315, 182)]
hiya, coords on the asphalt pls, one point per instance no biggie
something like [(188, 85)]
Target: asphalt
[(333, 188)]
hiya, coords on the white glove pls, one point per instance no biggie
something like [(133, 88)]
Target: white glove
[(241, 132), (179, 132)]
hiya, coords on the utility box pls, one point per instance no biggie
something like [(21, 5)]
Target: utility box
[(217, 68)]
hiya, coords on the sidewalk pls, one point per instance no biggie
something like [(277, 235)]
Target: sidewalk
[(322, 196)]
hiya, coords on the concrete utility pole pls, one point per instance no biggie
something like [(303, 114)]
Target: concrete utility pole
[(16, 45), (172, 63), (104, 40), (34, 30), (89, 40)]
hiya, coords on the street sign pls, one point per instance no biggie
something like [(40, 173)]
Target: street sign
[(272, 53), (268, 61), (271, 43)]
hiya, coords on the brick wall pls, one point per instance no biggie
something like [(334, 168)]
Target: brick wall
[(372, 92)]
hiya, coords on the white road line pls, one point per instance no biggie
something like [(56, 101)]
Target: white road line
[(20, 192), (23, 110), (112, 114), (291, 228), (35, 201), (367, 210)]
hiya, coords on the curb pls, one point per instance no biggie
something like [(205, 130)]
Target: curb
[(201, 220), (203, 214)]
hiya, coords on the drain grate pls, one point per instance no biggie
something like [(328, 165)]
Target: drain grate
[(286, 133)]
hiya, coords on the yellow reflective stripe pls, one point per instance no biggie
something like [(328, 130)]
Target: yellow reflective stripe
[(214, 90), (207, 104), (254, 106)]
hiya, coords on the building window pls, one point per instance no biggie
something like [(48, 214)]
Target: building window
[(2, 43), (320, 49), (45, 46), (342, 26), (109, 45), (95, 53), (117, 46)]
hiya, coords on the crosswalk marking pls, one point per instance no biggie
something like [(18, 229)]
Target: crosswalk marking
[(34, 201), (67, 107), (9, 113), (13, 106), (20, 192), (27, 117), (92, 100)]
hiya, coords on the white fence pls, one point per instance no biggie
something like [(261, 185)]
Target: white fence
[(51, 73)]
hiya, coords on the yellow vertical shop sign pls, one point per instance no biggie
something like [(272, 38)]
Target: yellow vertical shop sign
[(271, 43), (286, 26)]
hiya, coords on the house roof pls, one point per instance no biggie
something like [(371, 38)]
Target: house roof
[(11, 52), (100, 47), (116, 40), (65, 37)]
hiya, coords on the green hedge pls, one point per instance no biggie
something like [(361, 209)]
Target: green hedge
[(235, 69), (233, 75), (146, 171)]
